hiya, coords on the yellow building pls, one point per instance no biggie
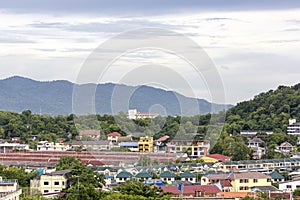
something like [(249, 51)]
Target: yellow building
[(244, 181), (238, 181), (50, 183), (145, 144)]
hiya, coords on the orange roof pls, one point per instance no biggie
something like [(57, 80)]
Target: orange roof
[(116, 134), (163, 138)]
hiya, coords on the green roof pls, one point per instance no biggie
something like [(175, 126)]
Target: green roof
[(167, 174), (276, 175), (143, 175), (187, 174), (124, 174)]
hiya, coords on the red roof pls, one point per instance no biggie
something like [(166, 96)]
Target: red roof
[(219, 157), (163, 138), (226, 183), (114, 134), (192, 189)]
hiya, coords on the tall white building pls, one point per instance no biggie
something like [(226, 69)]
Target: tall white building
[(293, 127)]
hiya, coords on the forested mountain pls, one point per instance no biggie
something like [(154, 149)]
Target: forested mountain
[(267, 111), (55, 98)]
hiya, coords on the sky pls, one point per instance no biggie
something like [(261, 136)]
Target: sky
[(254, 45)]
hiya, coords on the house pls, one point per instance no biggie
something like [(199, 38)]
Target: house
[(293, 127), (9, 189), (160, 144), (226, 185), (89, 134), (52, 146), (244, 181), (194, 148), (113, 137), (50, 183), (188, 176), (219, 157), (123, 177), (276, 177), (168, 177), (190, 191), (289, 186), (144, 175), (255, 142), (240, 181), (258, 152), (145, 144), (214, 178), (284, 147), (11, 147), (98, 145), (268, 164)]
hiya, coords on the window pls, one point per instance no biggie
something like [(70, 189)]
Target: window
[(63, 183), (244, 181), (288, 186), (56, 183), (244, 188), (46, 191), (255, 180), (46, 182), (297, 186)]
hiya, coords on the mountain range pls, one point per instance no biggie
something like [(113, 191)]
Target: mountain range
[(56, 98)]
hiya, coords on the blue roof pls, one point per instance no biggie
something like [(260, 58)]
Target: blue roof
[(129, 144)]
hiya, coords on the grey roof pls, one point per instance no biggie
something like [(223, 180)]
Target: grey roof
[(167, 174), (266, 188), (124, 174), (255, 140), (187, 174), (276, 175), (143, 175), (60, 172)]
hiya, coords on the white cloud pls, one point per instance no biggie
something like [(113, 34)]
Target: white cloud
[(253, 50)]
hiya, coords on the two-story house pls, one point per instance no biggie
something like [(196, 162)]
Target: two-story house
[(193, 148), (113, 137), (50, 183)]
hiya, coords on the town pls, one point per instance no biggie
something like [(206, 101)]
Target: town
[(180, 167)]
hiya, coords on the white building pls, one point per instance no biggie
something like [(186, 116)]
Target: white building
[(9, 189), (52, 146), (10, 147), (293, 127), (134, 114), (289, 186)]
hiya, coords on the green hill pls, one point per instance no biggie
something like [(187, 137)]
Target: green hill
[(267, 111)]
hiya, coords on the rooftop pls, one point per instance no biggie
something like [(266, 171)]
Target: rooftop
[(114, 134)]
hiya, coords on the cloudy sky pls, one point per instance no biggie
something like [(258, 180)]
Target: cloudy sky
[(254, 45)]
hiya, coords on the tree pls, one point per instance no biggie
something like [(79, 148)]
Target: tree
[(296, 192), (142, 190)]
